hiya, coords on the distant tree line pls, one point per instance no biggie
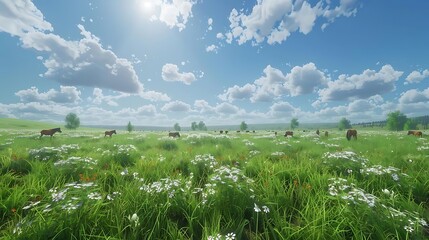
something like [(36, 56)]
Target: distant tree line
[(398, 121)]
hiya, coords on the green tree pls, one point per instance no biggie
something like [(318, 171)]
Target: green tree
[(177, 127), (410, 124), (243, 126), (202, 126), (294, 123), (72, 121), (194, 126), (344, 124), (130, 127), (396, 121)]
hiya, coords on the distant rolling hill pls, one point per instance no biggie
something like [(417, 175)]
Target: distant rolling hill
[(12, 123)]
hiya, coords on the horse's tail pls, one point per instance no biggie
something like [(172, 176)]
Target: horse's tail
[(348, 135)]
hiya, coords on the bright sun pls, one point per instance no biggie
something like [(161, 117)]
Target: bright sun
[(147, 5)]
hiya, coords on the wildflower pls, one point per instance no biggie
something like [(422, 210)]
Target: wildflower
[(134, 219), (409, 229), (256, 208), (265, 209), (386, 191), (230, 236), (94, 196), (125, 172)]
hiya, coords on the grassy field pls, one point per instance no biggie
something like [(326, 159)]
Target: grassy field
[(204, 185)]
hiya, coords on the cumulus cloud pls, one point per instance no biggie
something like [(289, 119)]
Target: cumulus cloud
[(65, 95), (274, 84), (416, 76), (414, 96), (170, 73), (283, 109), (212, 48), (85, 62), (361, 86), (154, 96), (227, 108), (20, 17), (275, 20), (176, 106), (203, 106), (174, 13), (98, 97)]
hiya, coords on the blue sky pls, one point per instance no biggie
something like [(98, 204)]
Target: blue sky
[(161, 62)]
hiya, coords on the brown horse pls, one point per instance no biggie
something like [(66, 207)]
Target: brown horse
[(351, 133), (174, 134), (288, 133), (109, 133), (50, 132), (415, 133)]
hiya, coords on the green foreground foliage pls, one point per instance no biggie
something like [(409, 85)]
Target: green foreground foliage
[(206, 185)]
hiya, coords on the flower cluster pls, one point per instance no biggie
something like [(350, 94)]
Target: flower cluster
[(380, 170), (340, 187), (229, 236), (165, 185), (85, 162), (48, 153), (207, 160)]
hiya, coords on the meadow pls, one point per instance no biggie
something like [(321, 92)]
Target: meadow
[(205, 185)]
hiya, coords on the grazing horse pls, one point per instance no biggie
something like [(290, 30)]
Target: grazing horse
[(351, 133), (174, 134), (109, 133), (49, 132), (288, 133), (317, 132), (326, 133), (415, 133)]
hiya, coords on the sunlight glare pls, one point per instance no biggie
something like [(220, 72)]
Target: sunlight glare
[(147, 5)]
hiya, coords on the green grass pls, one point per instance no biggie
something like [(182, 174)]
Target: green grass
[(144, 185)]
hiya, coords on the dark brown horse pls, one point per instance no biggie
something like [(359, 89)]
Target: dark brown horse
[(174, 134), (351, 133), (288, 133), (109, 133), (415, 133), (49, 132)]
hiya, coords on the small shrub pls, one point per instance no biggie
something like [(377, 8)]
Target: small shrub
[(168, 145)]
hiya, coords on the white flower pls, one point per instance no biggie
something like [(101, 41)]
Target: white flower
[(134, 219), (256, 208), (386, 191), (230, 236), (265, 209)]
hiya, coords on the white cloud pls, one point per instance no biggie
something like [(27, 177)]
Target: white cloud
[(176, 106), (203, 106), (275, 20), (155, 96), (282, 109), (347, 8), (305, 79), (170, 73), (212, 48), (227, 108), (358, 86), (84, 62), (174, 13), (414, 96), (21, 16), (111, 100), (236, 92), (416, 76), (359, 106), (65, 95), (301, 80)]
